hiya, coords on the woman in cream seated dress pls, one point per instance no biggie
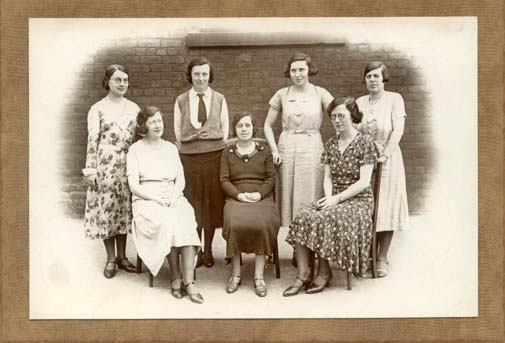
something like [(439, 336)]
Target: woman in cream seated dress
[(164, 221)]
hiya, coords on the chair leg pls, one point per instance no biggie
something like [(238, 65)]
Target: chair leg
[(139, 265), (151, 279), (374, 256), (241, 259), (349, 286), (276, 261)]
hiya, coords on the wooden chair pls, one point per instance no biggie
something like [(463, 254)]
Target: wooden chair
[(375, 184)]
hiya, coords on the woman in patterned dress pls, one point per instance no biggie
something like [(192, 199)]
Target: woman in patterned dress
[(111, 126), (338, 227), (299, 148), (384, 119)]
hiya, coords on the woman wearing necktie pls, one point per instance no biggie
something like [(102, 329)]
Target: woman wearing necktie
[(201, 126)]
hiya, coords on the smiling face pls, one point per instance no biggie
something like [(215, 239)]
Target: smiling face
[(374, 80), (154, 126), (118, 83), (244, 129), (200, 77), (341, 118), (299, 72)]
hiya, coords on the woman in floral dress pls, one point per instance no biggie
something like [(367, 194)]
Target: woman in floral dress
[(338, 227), (111, 126)]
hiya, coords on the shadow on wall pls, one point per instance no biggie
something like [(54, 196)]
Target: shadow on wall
[(248, 76)]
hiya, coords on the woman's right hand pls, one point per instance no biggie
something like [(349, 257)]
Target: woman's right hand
[(243, 197), (277, 158), (90, 180)]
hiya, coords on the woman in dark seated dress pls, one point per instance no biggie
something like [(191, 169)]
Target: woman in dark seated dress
[(338, 227), (251, 220)]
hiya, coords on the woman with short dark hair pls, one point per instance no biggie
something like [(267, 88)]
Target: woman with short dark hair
[(164, 221), (384, 119), (338, 227), (251, 221), (111, 128), (201, 127)]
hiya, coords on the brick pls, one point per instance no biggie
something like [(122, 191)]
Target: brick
[(160, 67), (168, 43), (138, 68), (151, 59), (151, 51), (125, 43), (140, 51), (149, 43), (173, 59)]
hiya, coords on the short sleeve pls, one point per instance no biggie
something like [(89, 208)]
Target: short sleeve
[(276, 101), (325, 157), (398, 107), (369, 151), (93, 121), (326, 97), (132, 163)]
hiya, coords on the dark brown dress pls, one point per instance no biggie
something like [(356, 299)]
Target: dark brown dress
[(249, 227)]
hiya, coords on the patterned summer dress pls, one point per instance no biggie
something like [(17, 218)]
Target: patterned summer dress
[(341, 233), (108, 204)]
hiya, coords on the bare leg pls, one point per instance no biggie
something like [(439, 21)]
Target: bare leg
[(173, 261), (302, 258), (188, 264), (110, 248), (121, 246), (259, 266), (384, 239), (235, 265)]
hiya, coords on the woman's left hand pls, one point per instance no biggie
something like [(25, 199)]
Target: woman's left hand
[(382, 159), (253, 197), (327, 202)]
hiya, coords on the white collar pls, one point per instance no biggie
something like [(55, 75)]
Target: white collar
[(193, 93)]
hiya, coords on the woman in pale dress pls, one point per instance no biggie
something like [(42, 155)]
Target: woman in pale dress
[(384, 118), (300, 146), (164, 221), (111, 128)]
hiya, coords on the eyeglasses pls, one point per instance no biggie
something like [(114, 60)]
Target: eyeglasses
[(118, 80), (334, 117)]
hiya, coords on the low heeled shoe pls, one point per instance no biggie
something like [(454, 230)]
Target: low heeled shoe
[(194, 297), (295, 289), (233, 283), (316, 288), (124, 264)]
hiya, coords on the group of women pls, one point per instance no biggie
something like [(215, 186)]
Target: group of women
[(322, 192)]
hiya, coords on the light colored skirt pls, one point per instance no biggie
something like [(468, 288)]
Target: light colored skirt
[(156, 229), (301, 173), (393, 210)]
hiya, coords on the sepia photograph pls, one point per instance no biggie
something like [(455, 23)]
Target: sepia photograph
[(253, 168)]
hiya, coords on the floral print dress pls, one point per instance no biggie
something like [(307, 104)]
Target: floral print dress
[(108, 203), (341, 233)]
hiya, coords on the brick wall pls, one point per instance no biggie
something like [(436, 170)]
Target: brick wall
[(248, 77)]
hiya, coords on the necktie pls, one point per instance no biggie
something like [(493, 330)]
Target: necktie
[(202, 112)]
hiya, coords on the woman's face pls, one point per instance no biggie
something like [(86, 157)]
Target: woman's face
[(341, 118), (154, 126), (244, 129), (299, 72), (374, 80), (118, 83), (200, 77)]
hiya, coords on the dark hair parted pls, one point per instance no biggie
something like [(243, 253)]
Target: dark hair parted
[(300, 56), (199, 61), (350, 104), (142, 118), (109, 71), (374, 65), (238, 117)]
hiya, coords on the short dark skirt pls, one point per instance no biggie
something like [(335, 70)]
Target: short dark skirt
[(203, 187)]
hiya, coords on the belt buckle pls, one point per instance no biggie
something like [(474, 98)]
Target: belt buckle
[(297, 132)]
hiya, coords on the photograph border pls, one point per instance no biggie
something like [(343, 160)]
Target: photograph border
[(489, 326)]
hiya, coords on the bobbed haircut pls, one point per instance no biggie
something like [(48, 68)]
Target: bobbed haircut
[(142, 118), (374, 65), (199, 61), (350, 104), (238, 117), (109, 71), (300, 56)]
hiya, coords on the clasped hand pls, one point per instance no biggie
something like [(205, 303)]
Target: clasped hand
[(325, 202), (166, 201), (249, 197)]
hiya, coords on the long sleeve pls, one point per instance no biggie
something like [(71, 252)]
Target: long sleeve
[(93, 138), (268, 185), (226, 184), (177, 122), (225, 120)]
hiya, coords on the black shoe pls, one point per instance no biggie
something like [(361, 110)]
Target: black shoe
[(208, 259), (177, 291), (294, 289), (110, 269), (316, 288), (124, 264)]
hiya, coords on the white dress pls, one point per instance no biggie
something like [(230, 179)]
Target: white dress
[(156, 229), (393, 211)]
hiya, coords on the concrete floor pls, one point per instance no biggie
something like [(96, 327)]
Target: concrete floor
[(429, 276)]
